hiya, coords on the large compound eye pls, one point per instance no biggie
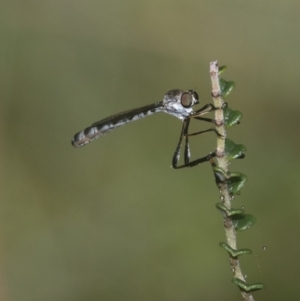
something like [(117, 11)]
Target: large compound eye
[(186, 100), (189, 98)]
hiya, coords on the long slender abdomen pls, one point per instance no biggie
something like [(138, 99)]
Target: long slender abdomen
[(107, 125)]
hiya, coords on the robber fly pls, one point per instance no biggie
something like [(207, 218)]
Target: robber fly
[(176, 102)]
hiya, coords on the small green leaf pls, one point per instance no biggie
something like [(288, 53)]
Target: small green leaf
[(220, 174), (231, 117), (234, 253), (247, 287), (222, 69), (229, 212), (243, 221), (236, 182), (234, 151), (226, 87)]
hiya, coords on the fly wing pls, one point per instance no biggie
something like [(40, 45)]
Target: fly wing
[(110, 123)]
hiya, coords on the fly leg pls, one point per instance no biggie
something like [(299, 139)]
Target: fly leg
[(187, 153), (184, 134)]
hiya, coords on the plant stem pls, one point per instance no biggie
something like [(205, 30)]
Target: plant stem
[(222, 162)]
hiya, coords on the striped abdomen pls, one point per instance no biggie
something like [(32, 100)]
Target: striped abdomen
[(108, 124)]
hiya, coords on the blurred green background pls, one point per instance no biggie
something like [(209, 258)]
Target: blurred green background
[(113, 221)]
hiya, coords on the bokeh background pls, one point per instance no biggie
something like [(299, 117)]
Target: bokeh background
[(113, 221)]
